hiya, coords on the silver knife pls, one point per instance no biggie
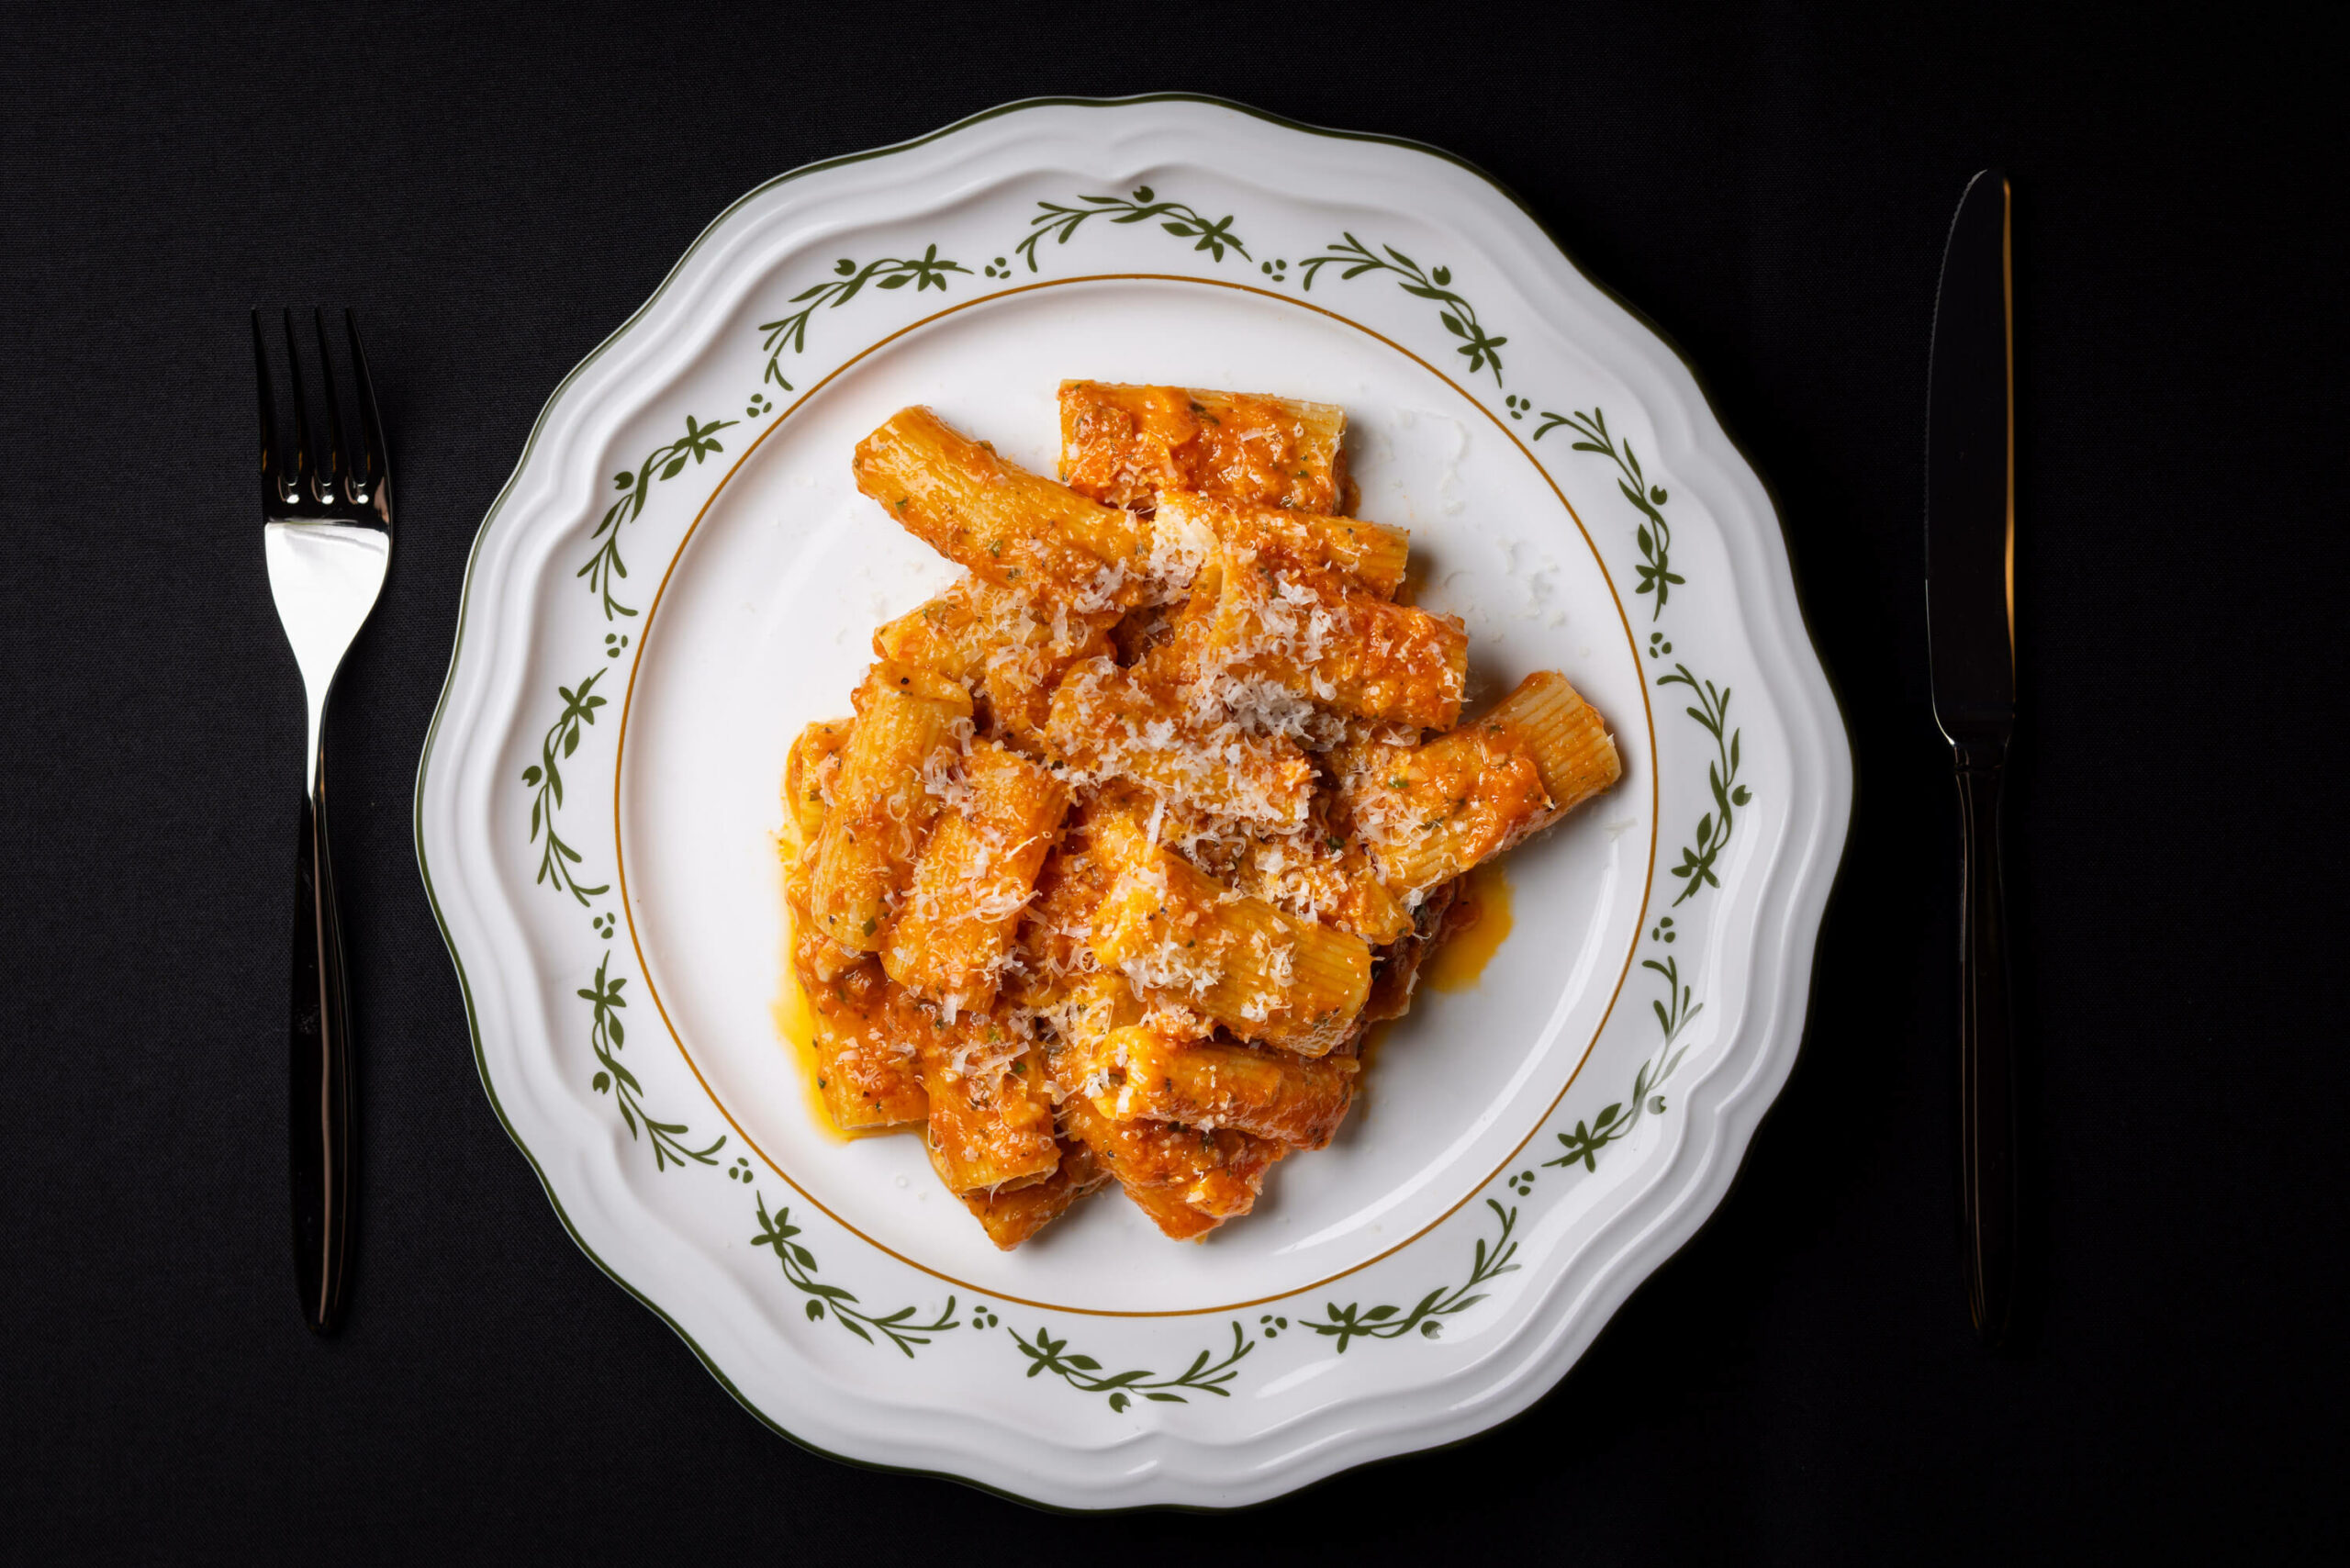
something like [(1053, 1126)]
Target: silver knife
[(1970, 635)]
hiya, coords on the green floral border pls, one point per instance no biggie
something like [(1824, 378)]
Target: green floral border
[(1083, 1373), (605, 567), (544, 780), (1353, 258), (789, 330), (1491, 1257), (606, 1035), (901, 1327), (1673, 1013), (1144, 206), (1491, 1260), (1654, 535)]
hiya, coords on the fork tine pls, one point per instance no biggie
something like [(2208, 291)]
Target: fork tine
[(305, 471), (273, 492), (333, 471), (373, 469)]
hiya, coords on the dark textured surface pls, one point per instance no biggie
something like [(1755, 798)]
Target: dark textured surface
[(497, 192)]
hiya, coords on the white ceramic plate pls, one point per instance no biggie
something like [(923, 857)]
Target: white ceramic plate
[(680, 574)]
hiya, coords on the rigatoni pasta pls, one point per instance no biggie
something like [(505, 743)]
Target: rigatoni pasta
[(974, 878), (1125, 723), (1293, 1100), (1012, 528), (1173, 931), (1127, 445), (1427, 813), (1569, 739), (1321, 639), (991, 1126), (881, 807), (1011, 1217), (1191, 526), (860, 1026), (866, 1067), (1139, 826), (1189, 1180)]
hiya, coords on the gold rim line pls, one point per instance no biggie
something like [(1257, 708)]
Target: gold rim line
[(644, 635)]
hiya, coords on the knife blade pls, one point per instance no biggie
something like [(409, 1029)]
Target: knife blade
[(1970, 631)]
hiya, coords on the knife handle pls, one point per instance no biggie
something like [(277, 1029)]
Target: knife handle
[(1985, 1049), (319, 1102)]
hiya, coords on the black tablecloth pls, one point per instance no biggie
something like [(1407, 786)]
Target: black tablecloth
[(495, 191)]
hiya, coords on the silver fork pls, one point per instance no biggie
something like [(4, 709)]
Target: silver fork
[(327, 533)]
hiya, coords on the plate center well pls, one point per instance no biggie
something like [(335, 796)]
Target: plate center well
[(764, 624)]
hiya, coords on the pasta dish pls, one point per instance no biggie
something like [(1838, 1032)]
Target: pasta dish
[(1137, 829)]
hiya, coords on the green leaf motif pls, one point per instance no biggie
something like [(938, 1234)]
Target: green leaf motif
[(545, 782), (826, 1300), (788, 332), (1061, 223), (1655, 535), (1455, 314), (605, 567), (1084, 1373), (1425, 1318), (1711, 712), (605, 1036), (1581, 1144)]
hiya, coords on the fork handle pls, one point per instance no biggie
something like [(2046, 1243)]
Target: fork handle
[(318, 1104), (1985, 1049)]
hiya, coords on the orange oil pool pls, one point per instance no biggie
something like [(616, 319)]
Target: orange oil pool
[(795, 1020), (1459, 963)]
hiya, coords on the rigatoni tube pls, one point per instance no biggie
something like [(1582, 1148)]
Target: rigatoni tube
[(975, 875), (1262, 973), (1017, 530), (1212, 1083), (881, 808)]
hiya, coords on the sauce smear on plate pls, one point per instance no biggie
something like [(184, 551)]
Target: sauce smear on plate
[(795, 1024), (1459, 963)]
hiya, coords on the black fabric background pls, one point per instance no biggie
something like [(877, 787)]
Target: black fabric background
[(496, 190)]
